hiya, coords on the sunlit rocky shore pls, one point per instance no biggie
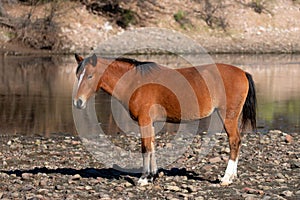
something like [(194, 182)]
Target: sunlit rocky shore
[(60, 167)]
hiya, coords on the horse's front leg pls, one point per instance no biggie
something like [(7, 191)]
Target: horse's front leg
[(148, 152)]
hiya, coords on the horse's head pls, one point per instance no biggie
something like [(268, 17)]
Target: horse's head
[(88, 80)]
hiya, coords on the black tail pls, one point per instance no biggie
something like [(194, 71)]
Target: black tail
[(249, 108)]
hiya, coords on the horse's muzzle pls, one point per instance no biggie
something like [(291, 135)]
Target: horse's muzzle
[(79, 103)]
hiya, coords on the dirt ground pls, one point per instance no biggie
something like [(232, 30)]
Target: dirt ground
[(227, 27)]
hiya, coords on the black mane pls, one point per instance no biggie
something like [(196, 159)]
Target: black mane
[(141, 67)]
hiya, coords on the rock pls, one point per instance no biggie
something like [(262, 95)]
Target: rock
[(250, 197), (76, 177), (43, 191), (280, 175), (207, 167), (39, 196), (191, 188), (275, 132), (173, 188), (169, 145), (119, 188), (280, 180), (43, 182), (127, 184), (215, 159), (15, 195), (288, 138), (253, 191), (59, 187), (27, 188), (199, 198), (161, 174), (295, 164), (38, 142), (287, 193), (88, 187), (26, 176)]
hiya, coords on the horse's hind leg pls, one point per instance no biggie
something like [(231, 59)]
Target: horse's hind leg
[(231, 127), (148, 152)]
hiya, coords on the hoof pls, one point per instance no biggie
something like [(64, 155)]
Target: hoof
[(225, 183), (145, 180), (227, 179)]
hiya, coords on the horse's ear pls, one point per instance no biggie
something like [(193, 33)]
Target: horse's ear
[(94, 60), (78, 58)]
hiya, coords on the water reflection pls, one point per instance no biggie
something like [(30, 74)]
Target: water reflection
[(277, 78), (35, 93)]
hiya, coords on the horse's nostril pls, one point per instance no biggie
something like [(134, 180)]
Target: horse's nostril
[(79, 103)]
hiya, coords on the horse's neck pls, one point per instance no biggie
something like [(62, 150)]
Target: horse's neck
[(112, 75)]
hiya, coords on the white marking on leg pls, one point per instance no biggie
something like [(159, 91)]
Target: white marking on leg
[(235, 167), (153, 166), (143, 181), (230, 172), (80, 78), (153, 163), (146, 163)]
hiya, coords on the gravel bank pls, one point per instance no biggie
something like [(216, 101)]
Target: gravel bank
[(59, 167)]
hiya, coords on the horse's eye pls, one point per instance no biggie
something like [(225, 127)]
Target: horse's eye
[(90, 76)]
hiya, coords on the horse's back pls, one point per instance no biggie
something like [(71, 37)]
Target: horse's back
[(190, 93), (218, 84)]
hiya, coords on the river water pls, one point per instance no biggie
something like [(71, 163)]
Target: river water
[(36, 92)]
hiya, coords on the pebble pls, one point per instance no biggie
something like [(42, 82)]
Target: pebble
[(27, 188), (76, 177), (253, 191), (173, 188), (288, 138), (26, 176), (250, 197), (43, 191), (280, 180), (161, 174), (15, 195), (127, 184), (119, 188), (43, 182), (215, 159), (280, 175), (263, 173), (88, 187), (287, 193)]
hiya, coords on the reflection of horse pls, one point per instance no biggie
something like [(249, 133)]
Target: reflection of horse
[(152, 93)]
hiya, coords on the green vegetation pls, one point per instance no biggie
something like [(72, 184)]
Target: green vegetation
[(179, 16), (182, 19), (126, 18)]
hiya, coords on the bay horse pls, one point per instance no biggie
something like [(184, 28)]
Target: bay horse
[(151, 92)]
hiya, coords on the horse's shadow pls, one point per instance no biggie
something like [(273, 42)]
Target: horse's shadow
[(109, 173)]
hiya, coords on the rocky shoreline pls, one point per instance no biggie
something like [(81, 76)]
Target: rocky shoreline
[(59, 167)]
